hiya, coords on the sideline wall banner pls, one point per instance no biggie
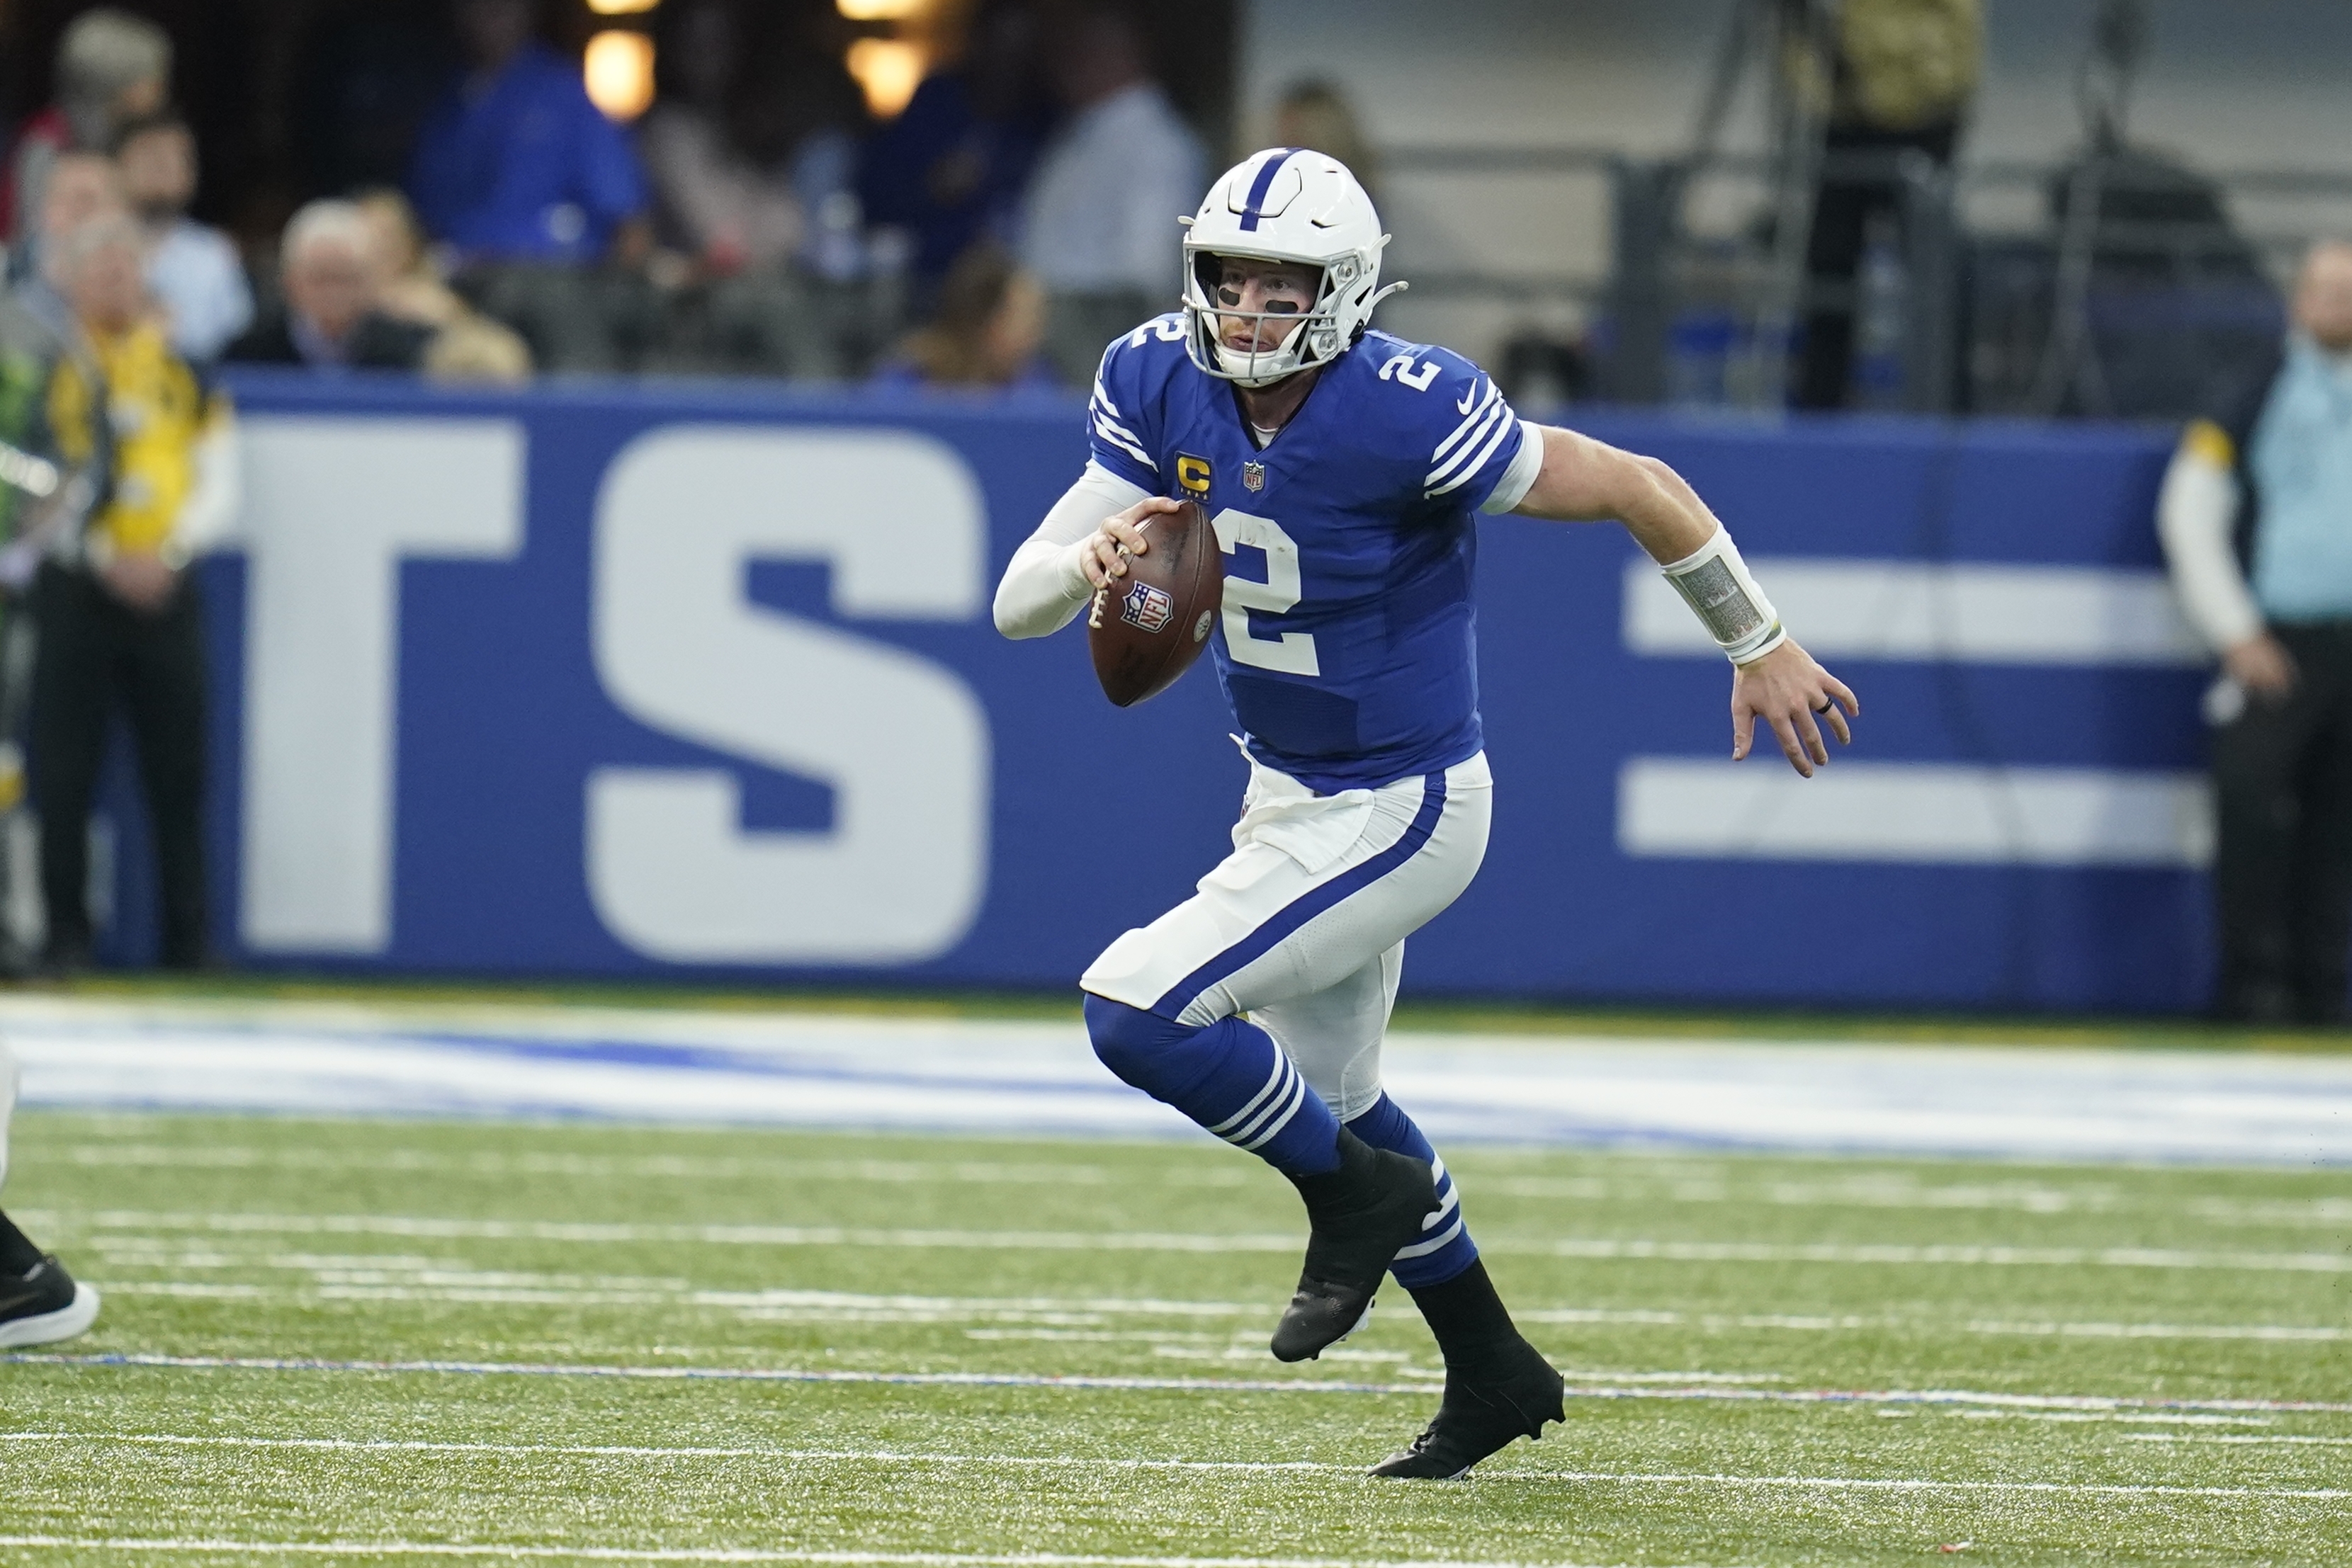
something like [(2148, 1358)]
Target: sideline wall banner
[(610, 680)]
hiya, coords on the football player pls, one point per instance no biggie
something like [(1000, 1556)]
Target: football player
[(39, 1302), (1344, 469)]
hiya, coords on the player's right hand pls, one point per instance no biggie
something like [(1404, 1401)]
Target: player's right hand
[(1104, 552), (2263, 665)]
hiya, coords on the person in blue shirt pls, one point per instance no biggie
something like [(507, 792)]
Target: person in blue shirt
[(515, 163), (1344, 470), (2256, 520), (952, 166)]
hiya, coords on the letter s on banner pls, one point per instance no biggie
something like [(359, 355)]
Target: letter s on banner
[(901, 741)]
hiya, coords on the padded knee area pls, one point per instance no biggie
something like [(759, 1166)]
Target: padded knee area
[(1130, 1041)]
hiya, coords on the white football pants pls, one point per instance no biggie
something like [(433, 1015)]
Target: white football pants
[(1303, 926)]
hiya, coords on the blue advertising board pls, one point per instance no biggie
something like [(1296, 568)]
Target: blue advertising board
[(700, 682)]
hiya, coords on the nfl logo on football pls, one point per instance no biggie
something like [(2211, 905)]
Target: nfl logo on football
[(1147, 608)]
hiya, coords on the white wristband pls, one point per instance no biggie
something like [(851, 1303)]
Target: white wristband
[(1716, 583)]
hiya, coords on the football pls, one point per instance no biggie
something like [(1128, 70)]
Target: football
[(1147, 627)]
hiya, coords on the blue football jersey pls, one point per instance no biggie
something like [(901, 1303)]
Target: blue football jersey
[(1347, 646)]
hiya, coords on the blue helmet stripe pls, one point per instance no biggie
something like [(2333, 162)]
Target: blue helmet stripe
[(1265, 182)]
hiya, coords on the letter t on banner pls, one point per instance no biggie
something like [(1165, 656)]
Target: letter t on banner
[(333, 506)]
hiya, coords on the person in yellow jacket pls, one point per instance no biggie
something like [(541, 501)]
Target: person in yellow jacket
[(119, 623)]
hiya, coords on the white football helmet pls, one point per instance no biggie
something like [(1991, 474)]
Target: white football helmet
[(1284, 205)]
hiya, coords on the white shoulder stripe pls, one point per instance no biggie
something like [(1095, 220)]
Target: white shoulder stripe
[(1510, 423), (1132, 450), (1476, 416), (1499, 410), (1113, 427), (1102, 397)]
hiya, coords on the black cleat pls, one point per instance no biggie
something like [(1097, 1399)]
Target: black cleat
[(1480, 1416), (1360, 1214), (44, 1304)]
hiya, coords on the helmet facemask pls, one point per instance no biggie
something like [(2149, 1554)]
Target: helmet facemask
[(1313, 336)]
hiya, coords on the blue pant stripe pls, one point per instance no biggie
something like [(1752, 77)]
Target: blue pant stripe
[(1310, 903)]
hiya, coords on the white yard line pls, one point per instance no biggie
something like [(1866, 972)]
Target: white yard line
[(1590, 1248), (1873, 1483), (2278, 1439), (1000, 1461), (1068, 1317), (1929, 1396), (634, 1451)]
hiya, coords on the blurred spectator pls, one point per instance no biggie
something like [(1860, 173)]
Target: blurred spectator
[(713, 201), (1900, 74), (726, 217), (119, 625), (986, 333), (29, 350), (466, 346), (1099, 223), (81, 187), (531, 184), (331, 271), (951, 168), (516, 165), (2256, 517), (752, 149), (192, 271), (1316, 115), (411, 287), (112, 68)]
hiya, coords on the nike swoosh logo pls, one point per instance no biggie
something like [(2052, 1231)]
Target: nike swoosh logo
[(1468, 397)]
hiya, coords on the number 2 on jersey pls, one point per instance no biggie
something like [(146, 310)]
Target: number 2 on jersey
[(1290, 653)]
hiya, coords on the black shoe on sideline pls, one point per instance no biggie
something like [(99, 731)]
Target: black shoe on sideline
[(43, 1305), (1360, 1215), (1480, 1416)]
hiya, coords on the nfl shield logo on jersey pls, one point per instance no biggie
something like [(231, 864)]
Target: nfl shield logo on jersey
[(1253, 476), (1147, 608)]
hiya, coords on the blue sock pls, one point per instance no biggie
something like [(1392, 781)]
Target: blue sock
[(1229, 1076), (1446, 1248)]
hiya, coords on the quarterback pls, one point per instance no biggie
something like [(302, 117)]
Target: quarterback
[(1343, 470)]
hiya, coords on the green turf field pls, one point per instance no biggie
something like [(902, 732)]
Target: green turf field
[(2059, 1365)]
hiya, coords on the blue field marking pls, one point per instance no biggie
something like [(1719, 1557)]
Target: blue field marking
[(689, 1058), (1041, 1077)]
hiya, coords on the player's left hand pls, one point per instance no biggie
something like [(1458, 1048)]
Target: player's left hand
[(140, 580), (1788, 690)]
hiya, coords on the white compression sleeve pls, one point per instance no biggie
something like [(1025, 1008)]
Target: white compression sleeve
[(1043, 585), (2193, 514)]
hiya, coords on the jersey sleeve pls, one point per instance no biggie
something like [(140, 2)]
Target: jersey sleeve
[(1466, 431), (1122, 415)]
